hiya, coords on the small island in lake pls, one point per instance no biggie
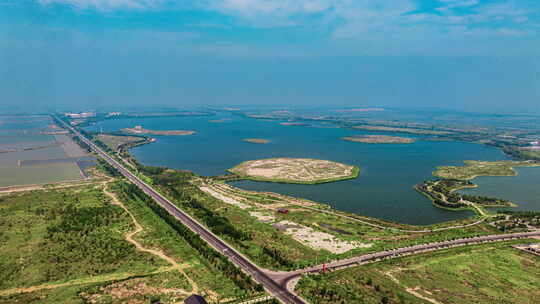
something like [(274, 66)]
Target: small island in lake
[(402, 130), (141, 130), (256, 140), (294, 124), (379, 139), (295, 170)]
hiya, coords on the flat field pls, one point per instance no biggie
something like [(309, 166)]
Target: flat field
[(58, 172), (474, 169), (115, 141), (295, 170), (482, 274), (61, 236), (71, 246), (308, 233), (27, 143)]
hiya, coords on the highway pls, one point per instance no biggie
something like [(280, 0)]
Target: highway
[(277, 283), (284, 278), (258, 274)]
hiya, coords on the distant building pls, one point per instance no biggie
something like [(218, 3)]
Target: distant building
[(195, 299), (80, 115), (114, 113), (535, 143)]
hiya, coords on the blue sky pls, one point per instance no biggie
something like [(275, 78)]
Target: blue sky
[(460, 54)]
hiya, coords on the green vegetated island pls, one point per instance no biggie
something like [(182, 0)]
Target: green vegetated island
[(473, 169), (453, 178), (379, 139), (141, 130), (118, 142), (256, 140), (295, 170)]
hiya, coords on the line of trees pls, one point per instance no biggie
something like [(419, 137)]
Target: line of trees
[(216, 260)]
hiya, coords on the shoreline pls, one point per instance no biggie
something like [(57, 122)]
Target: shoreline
[(445, 223), (521, 164), (355, 172)]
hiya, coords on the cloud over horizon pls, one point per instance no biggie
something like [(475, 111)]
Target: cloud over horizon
[(367, 26), (466, 50)]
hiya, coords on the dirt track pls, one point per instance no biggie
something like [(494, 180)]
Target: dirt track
[(114, 276)]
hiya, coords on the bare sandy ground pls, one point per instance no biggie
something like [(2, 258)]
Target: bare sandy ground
[(224, 198), (293, 169), (264, 217), (319, 240)]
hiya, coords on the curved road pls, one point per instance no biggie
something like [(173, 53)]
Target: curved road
[(277, 283), (284, 278), (258, 274)]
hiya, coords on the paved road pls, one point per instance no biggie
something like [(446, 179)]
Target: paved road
[(258, 274), (277, 283), (283, 278)]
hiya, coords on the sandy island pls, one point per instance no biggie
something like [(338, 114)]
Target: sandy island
[(379, 139), (141, 130), (294, 124), (256, 140), (295, 170)]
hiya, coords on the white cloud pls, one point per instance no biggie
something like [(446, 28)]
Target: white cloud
[(107, 5), (369, 26)]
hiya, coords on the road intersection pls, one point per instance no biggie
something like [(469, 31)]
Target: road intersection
[(281, 284)]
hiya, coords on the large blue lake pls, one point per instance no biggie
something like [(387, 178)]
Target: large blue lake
[(384, 188)]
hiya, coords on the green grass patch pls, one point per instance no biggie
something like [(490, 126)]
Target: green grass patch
[(61, 235), (474, 169), (488, 273)]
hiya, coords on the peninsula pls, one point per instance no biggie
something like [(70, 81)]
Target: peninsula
[(379, 139), (141, 130), (473, 169), (295, 170)]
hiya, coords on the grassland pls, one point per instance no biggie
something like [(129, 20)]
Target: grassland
[(379, 139), (159, 234), (61, 235), (247, 221), (70, 245), (474, 169), (295, 170), (529, 154), (138, 130), (115, 142), (482, 274)]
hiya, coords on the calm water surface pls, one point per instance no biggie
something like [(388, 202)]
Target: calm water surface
[(523, 189), (383, 190)]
